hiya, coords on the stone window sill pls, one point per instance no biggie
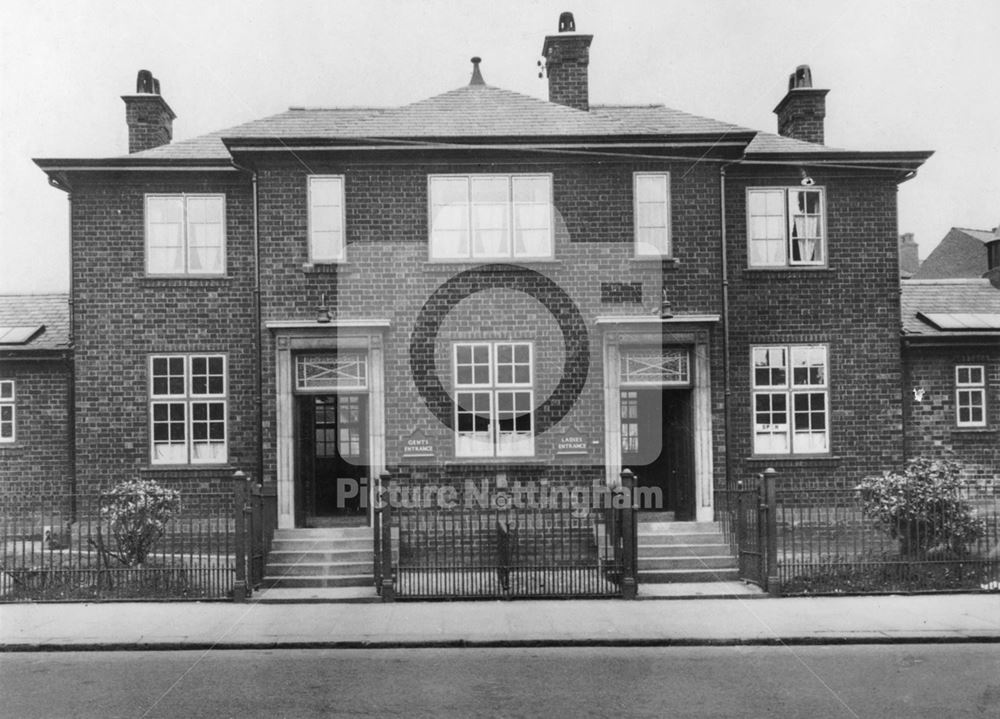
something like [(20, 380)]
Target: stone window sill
[(785, 458), (783, 270), (438, 266), (666, 263), (974, 430)]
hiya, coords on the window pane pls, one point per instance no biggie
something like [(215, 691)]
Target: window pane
[(449, 191), (326, 219), (651, 188), (531, 189), (490, 190), (769, 366), (205, 234), (449, 244)]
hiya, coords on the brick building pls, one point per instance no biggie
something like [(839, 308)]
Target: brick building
[(35, 399), (486, 285)]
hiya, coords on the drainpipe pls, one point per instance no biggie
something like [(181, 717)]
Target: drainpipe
[(727, 389), (70, 358), (258, 339), (906, 379)]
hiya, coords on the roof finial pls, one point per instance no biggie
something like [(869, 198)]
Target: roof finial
[(477, 77)]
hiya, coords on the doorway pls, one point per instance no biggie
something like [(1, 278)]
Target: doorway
[(657, 446), (333, 459)]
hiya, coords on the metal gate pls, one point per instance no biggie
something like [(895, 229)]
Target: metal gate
[(748, 521), (475, 553)]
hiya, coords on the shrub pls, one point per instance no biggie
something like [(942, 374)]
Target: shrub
[(923, 509), (138, 512)]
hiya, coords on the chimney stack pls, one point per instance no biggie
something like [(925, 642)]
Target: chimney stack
[(801, 112), (148, 116), (567, 56), (909, 255)]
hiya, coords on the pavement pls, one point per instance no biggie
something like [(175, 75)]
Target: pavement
[(950, 618)]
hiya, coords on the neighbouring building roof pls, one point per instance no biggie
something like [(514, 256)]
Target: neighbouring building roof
[(950, 309), (32, 323), (962, 253)]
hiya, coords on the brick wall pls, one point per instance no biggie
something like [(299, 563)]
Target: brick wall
[(122, 316), (387, 275), (852, 306), (932, 427), (37, 465)]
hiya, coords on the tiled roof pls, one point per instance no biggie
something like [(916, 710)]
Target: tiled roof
[(981, 235), (964, 296), (765, 142), (479, 113), (50, 310), (472, 111), (660, 120), (962, 253)]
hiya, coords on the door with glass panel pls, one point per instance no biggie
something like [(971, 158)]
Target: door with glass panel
[(656, 426), (332, 427)]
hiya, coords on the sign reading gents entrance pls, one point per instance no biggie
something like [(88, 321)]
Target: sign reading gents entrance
[(418, 446)]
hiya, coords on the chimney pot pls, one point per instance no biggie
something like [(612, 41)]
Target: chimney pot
[(144, 82), (801, 78)]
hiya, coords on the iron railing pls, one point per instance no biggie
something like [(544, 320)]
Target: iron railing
[(505, 552), (825, 544), (65, 548)]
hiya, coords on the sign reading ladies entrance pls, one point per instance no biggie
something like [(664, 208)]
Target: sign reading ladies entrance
[(418, 446), (572, 442)]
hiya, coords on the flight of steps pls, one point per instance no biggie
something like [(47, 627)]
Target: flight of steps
[(684, 552), (328, 557)]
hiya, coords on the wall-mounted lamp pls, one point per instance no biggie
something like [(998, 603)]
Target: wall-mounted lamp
[(324, 315), (918, 394), (806, 181), (665, 309)]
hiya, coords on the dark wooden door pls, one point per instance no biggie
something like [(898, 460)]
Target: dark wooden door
[(656, 445), (333, 453)]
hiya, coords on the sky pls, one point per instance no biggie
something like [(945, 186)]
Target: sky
[(902, 75)]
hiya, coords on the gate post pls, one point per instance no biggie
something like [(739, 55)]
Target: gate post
[(629, 534), (240, 503), (388, 591), (769, 529)]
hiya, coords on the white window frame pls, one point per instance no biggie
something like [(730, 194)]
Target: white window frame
[(511, 219), (340, 249), (970, 394), (788, 390), (186, 271), (788, 222), (8, 400), (494, 443), (188, 399), (668, 250)]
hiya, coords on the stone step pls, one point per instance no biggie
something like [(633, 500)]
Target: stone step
[(323, 532), (308, 569), (707, 562), (682, 550), (657, 576), (335, 554), (341, 580), (700, 538), (320, 545), (679, 527)]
